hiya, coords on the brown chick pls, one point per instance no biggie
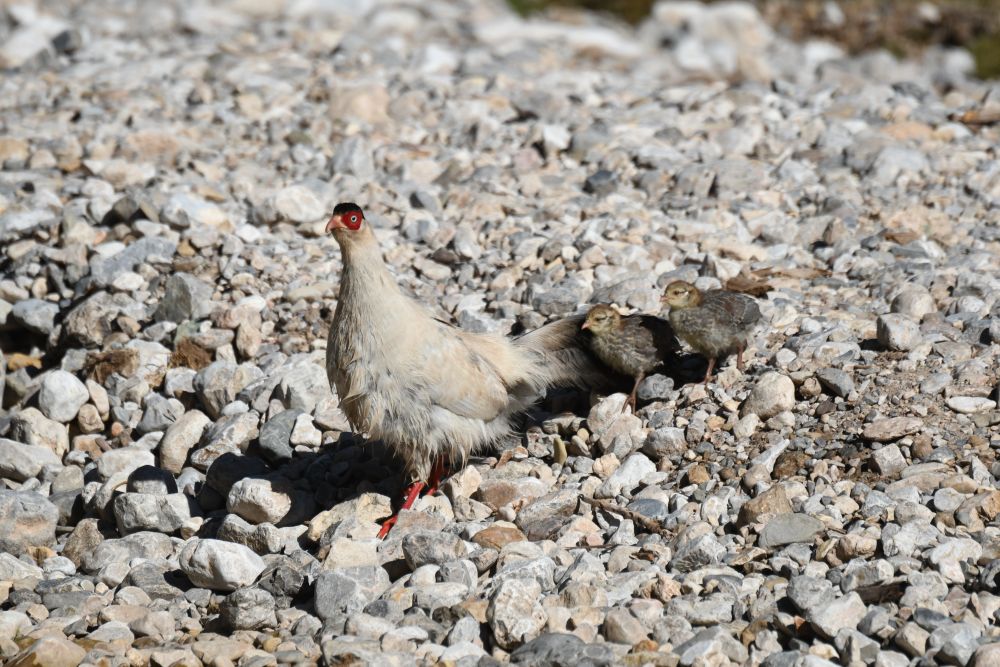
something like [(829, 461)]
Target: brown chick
[(431, 392), (632, 345), (715, 323)]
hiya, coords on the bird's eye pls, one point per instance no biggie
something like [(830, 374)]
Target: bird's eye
[(354, 218)]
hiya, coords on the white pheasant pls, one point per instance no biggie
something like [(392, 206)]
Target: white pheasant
[(430, 391)]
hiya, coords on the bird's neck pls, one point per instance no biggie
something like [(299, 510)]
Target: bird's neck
[(364, 267)]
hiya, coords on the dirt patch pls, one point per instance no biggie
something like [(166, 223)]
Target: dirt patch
[(100, 365), (189, 354)]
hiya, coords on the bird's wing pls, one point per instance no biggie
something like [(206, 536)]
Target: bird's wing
[(662, 333), (741, 310), (461, 379)]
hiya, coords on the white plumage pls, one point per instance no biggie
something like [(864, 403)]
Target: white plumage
[(423, 387)]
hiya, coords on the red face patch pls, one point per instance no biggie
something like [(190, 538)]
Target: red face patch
[(352, 220)]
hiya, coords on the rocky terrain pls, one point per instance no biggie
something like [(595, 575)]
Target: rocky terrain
[(177, 483)]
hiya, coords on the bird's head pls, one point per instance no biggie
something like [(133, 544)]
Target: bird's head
[(680, 294), (601, 319), (347, 218)]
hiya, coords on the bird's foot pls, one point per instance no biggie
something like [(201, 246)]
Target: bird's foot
[(438, 473), (412, 492), (387, 526), (708, 372)]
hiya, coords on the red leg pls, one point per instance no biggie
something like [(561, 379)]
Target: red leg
[(437, 473), (739, 358), (411, 496), (708, 373)]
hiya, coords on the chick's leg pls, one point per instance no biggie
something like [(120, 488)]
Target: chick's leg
[(439, 472), (739, 358), (708, 373), (411, 496), (635, 390)]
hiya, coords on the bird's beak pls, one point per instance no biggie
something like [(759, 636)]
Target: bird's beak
[(586, 325), (335, 223)]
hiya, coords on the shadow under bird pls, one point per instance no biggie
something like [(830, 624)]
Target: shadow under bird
[(715, 323), (632, 345), (431, 392)]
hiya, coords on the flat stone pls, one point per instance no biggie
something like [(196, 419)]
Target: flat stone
[(789, 528), (887, 430), (20, 462)]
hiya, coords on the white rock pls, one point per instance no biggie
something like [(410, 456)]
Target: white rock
[(31, 427), (950, 553), (19, 461), (298, 204), (218, 565), (627, 476), (124, 460), (180, 437), (897, 332), (304, 433), (970, 404), (61, 396), (773, 393)]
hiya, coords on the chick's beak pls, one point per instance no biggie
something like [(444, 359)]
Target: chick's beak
[(586, 325)]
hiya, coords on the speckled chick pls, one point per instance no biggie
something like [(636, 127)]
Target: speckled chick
[(715, 323), (632, 345)]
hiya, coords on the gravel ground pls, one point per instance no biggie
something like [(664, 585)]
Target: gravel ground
[(178, 485)]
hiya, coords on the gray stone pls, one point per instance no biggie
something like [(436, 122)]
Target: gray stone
[(159, 413), (150, 479), (348, 590), (427, 548), (558, 649), (249, 609), (622, 627), (711, 642), (889, 460), (808, 593), (275, 436), (836, 381), (136, 512), (273, 499), (218, 384), (146, 250), (887, 430), (27, 519), (123, 461), (897, 332), (186, 298), (35, 315), (834, 615), (789, 528)]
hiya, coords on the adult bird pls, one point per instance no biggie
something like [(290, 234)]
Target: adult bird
[(431, 392)]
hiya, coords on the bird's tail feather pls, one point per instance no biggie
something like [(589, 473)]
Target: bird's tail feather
[(562, 357)]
